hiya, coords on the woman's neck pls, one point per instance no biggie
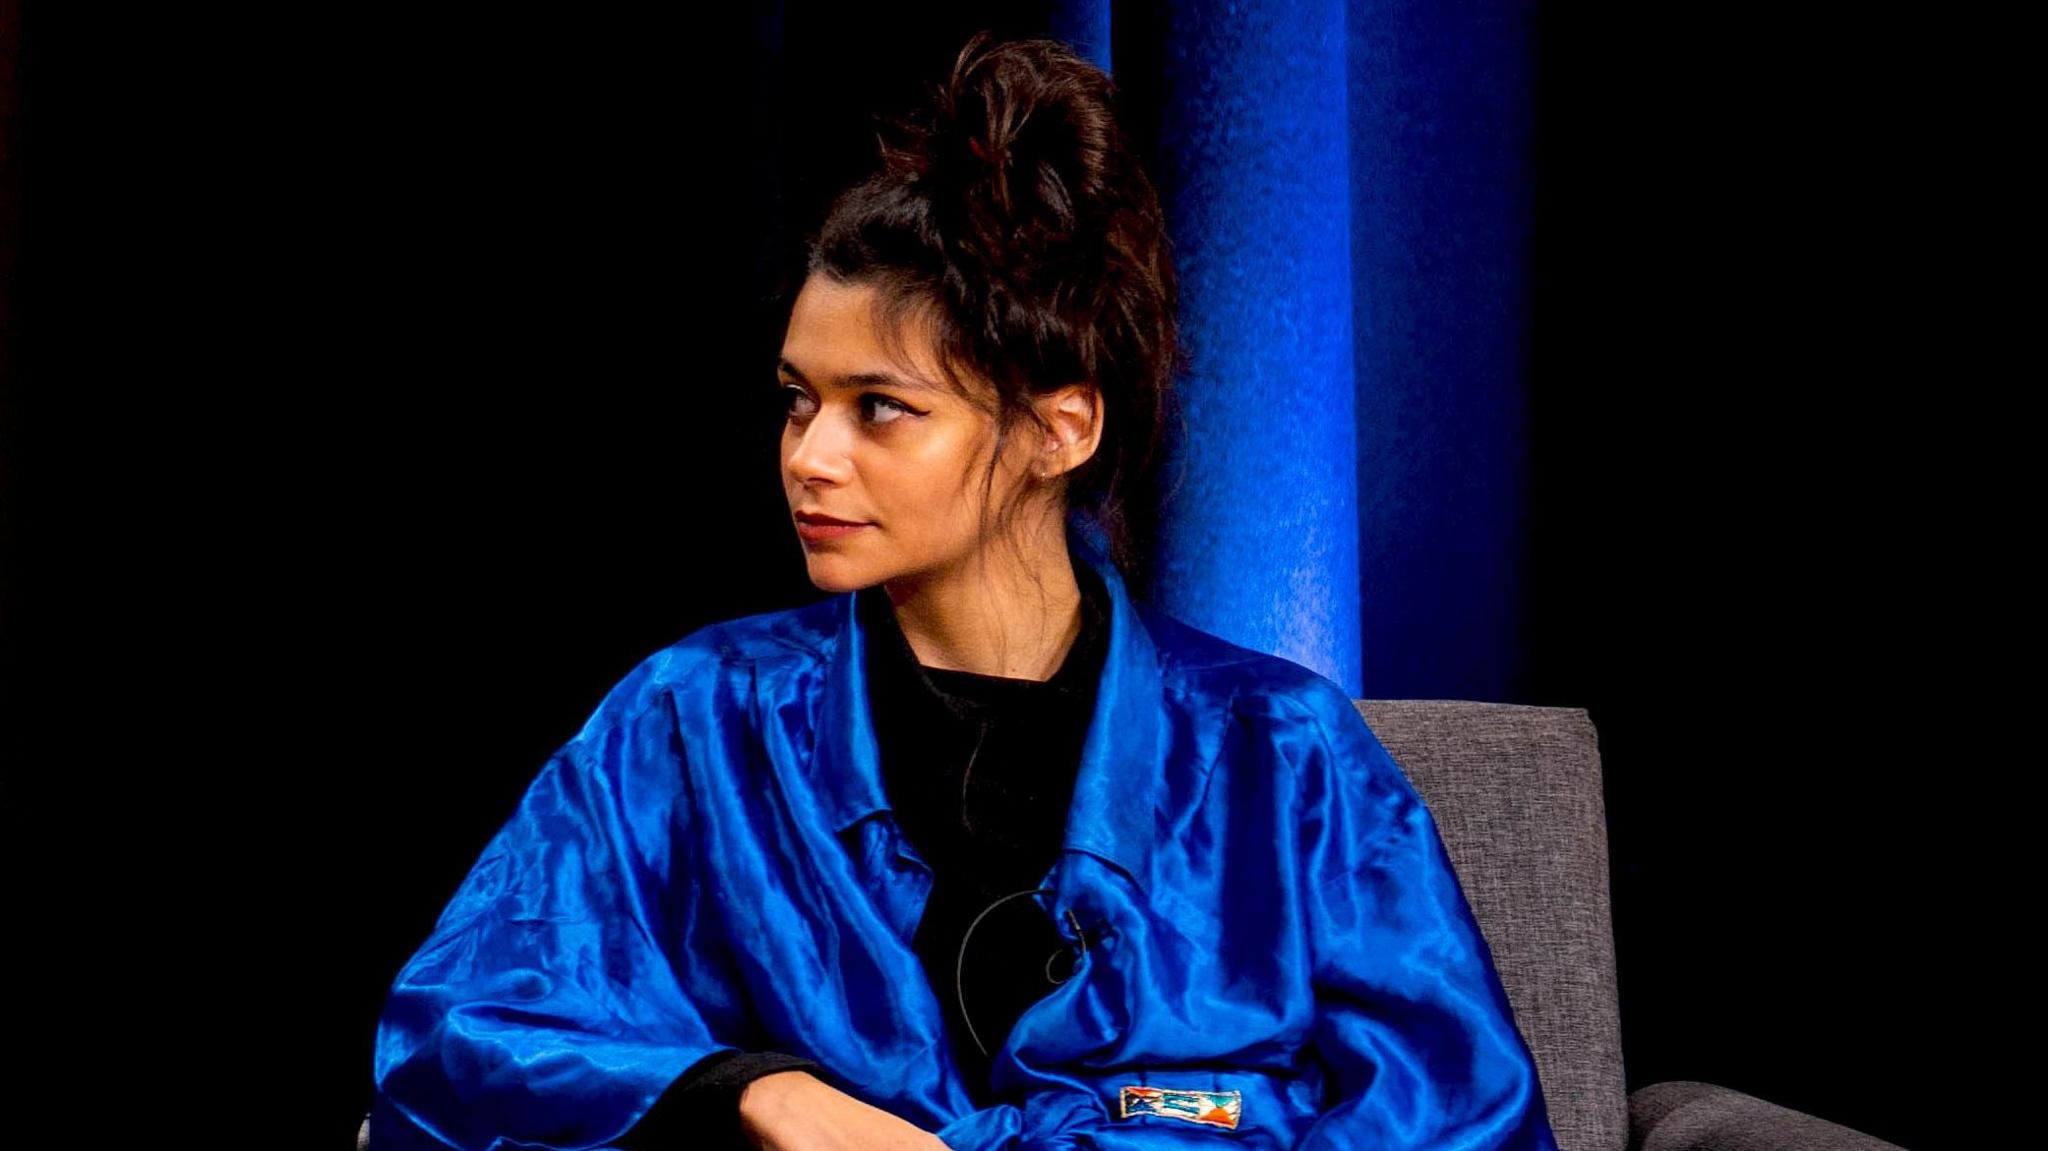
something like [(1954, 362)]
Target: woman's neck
[(996, 625)]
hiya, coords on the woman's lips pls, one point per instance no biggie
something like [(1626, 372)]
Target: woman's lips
[(820, 532)]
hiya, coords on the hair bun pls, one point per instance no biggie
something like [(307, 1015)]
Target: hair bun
[(1011, 144)]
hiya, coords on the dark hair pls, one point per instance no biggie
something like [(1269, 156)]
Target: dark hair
[(1010, 215)]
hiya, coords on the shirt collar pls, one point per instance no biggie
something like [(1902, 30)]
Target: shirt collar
[(1121, 774), (893, 666)]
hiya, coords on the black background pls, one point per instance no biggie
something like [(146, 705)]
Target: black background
[(382, 383)]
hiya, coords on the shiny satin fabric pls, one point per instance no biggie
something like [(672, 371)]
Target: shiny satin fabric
[(711, 862)]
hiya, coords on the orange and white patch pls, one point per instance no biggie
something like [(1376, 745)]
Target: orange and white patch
[(1214, 1108)]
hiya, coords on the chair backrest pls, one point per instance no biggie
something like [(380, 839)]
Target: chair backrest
[(1516, 793)]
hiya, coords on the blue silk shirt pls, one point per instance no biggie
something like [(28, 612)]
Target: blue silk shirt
[(1273, 950)]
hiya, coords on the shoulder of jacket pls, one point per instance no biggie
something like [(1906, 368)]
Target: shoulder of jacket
[(694, 660), (1199, 665), (794, 631), (805, 630)]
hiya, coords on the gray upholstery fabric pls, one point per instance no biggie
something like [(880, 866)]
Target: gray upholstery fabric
[(1515, 791), (1680, 1115)]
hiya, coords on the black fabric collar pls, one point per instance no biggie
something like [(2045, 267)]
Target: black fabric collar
[(971, 695)]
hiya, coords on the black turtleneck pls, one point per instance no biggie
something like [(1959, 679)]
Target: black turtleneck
[(979, 773)]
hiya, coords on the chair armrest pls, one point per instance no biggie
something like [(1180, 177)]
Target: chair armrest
[(1683, 1115)]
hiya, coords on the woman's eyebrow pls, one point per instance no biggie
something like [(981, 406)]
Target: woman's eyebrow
[(864, 379)]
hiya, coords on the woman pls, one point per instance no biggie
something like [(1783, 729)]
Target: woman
[(979, 852)]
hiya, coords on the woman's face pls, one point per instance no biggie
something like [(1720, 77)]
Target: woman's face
[(883, 444)]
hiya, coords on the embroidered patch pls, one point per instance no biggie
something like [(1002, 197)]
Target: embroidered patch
[(1216, 1108)]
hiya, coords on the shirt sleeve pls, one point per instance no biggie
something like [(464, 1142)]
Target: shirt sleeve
[(702, 1108), (1416, 1035), (569, 981)]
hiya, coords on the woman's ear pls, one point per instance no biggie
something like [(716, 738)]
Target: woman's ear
[(1075, 415)]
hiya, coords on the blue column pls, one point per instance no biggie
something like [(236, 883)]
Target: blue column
[(1083, 25), (1259, 544)]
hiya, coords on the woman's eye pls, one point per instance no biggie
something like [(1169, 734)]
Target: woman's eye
[(795, 399), (884, 403), (791, 397)]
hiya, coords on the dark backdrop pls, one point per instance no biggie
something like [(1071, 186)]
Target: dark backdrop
[(383, 383)]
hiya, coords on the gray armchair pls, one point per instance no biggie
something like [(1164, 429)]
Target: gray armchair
[(1516, 792)]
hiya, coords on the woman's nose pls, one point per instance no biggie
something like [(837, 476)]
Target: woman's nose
[(821, 452)]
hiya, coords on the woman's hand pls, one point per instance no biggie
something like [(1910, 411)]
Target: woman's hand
[(797, 1111)]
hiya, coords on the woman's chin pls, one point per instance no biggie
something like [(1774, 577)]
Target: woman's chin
[(835, 575)]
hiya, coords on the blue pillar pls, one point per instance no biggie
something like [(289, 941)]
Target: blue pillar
[(1083, 25), (1259, 544)]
